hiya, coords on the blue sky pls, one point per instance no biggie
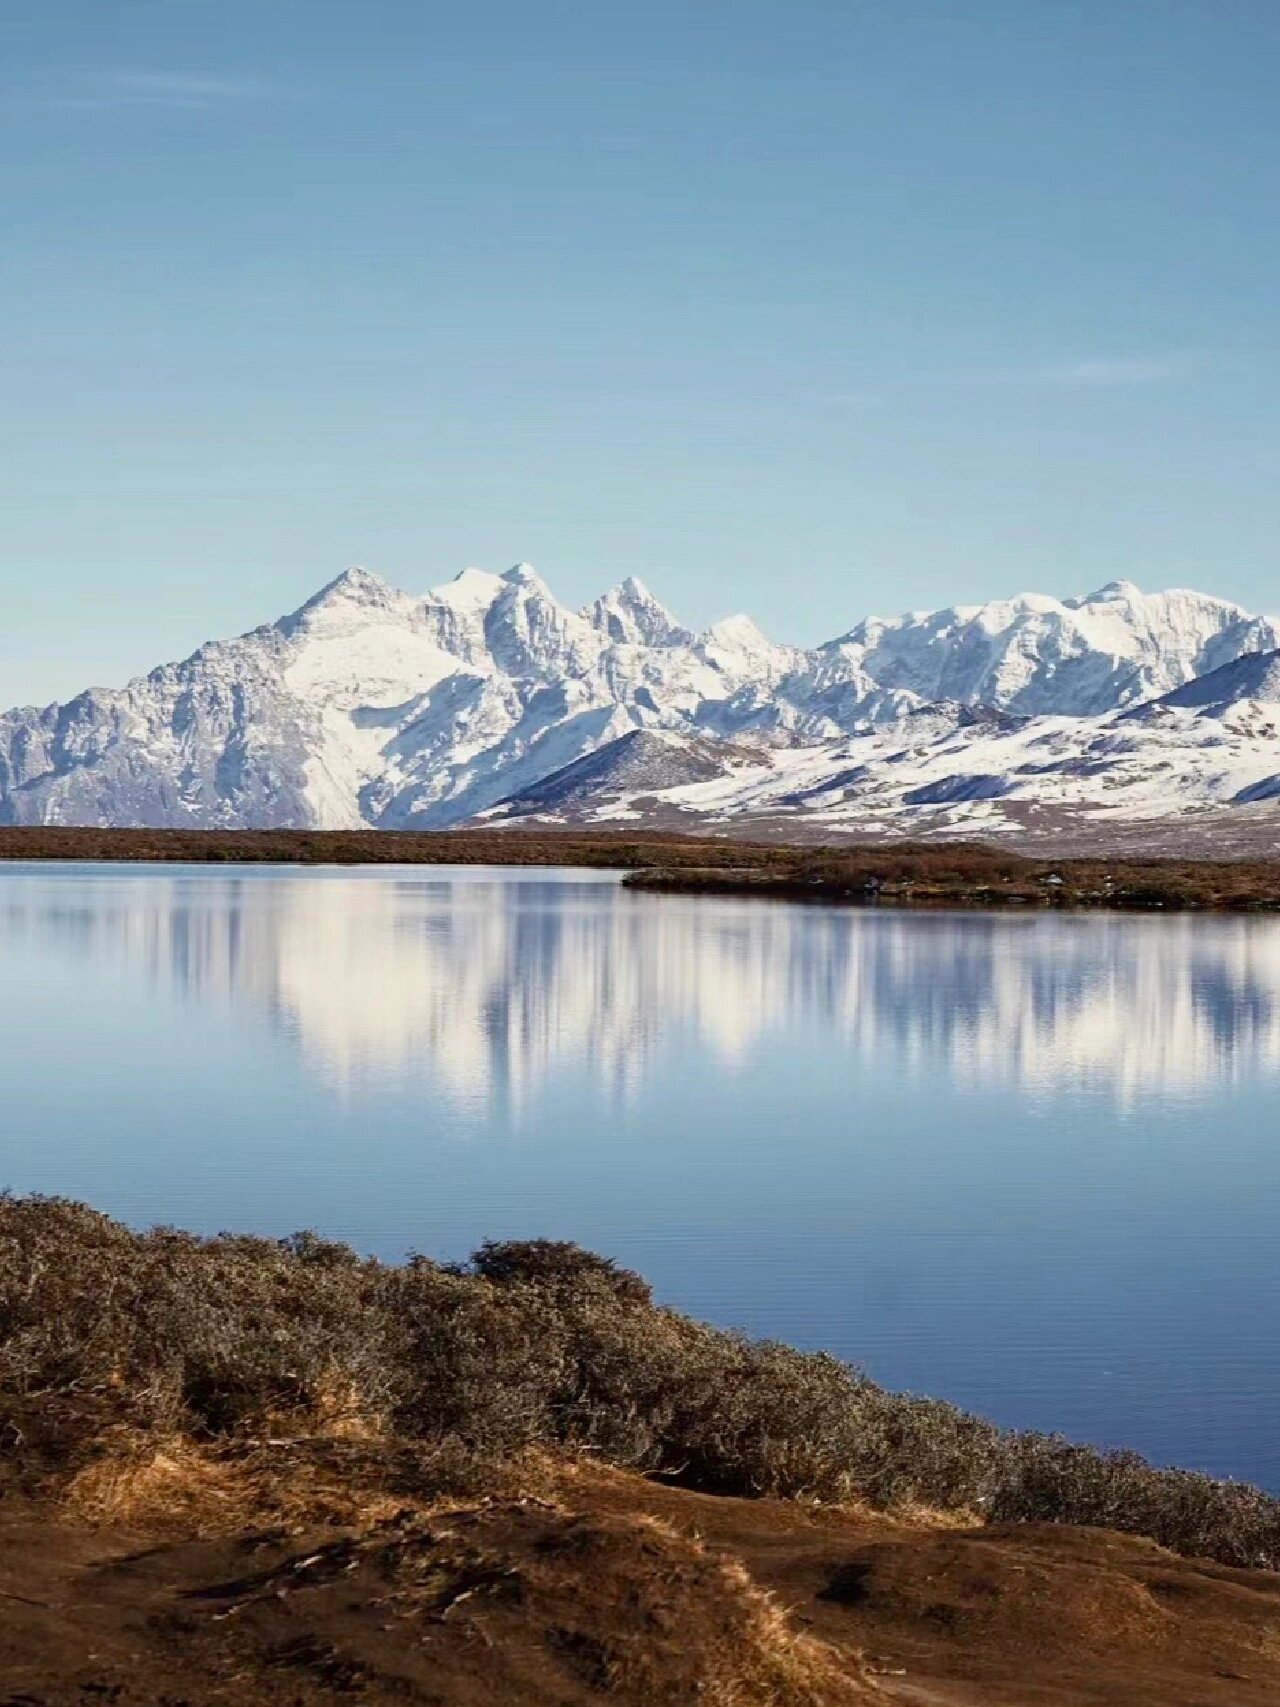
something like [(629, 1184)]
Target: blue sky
[(805, 307)]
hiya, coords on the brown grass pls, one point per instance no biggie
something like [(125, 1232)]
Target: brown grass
[(192, 1487)]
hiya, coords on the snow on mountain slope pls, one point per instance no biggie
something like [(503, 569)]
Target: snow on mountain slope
[(1255, 676), (373, 706), (1035, 654), (361, 646), (923, 776), (636, 765)]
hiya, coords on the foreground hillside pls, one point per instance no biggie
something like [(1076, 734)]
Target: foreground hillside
[(237, 1470), (593, 1587), (373, 708)]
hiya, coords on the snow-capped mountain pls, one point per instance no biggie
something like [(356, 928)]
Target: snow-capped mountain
[(370, 706), (1035, 655)]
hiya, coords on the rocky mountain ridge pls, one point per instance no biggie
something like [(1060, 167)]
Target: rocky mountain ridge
[(371, 706)]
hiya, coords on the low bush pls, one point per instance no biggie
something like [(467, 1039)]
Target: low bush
[(1049, 1480), (556, 1262), (536, 1344)]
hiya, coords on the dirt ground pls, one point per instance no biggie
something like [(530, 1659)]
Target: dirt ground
[(610, 1588)]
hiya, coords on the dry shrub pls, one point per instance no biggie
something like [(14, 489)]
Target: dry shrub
[(557, 1263), (1043, 1478), (233, 1341), (208, 1333)]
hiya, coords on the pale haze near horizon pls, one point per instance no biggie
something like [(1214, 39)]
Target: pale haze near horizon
[(810, 309)]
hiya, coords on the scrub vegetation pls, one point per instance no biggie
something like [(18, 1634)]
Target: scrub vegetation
[(108, 1335)]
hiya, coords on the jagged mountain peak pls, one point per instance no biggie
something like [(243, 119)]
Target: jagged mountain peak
[(355, 586), (470, 589), (1033, 653), (630, 615), (738, 633), (1115, 592), (736, 646), (737, 627), (525, 575), (630, 593)]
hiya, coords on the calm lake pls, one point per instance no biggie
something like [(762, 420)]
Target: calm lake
[(1027, 1163)]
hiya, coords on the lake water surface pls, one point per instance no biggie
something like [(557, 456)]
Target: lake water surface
[(1027, 1163)]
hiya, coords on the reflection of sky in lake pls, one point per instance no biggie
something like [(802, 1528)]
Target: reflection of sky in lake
[(1025, 1162)]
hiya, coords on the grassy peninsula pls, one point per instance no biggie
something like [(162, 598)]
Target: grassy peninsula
[(968, 875), (238, 1469)]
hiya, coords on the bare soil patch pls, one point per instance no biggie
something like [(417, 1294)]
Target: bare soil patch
[(617, 1590)]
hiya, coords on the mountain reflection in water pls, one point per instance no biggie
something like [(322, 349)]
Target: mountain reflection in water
[(493, 978)]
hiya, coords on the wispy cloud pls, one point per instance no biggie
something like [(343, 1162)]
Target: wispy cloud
[(1085, 373), (851, 401), (173, 91), (1101, 371)]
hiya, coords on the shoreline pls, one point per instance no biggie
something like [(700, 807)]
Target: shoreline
[(240, 1468), (1042, 886), (899, 874)]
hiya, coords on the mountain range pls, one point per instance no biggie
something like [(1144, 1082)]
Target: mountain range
[(487, 700)]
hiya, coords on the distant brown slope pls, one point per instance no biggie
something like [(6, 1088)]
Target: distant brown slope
[(907, 873), (366, 847)]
